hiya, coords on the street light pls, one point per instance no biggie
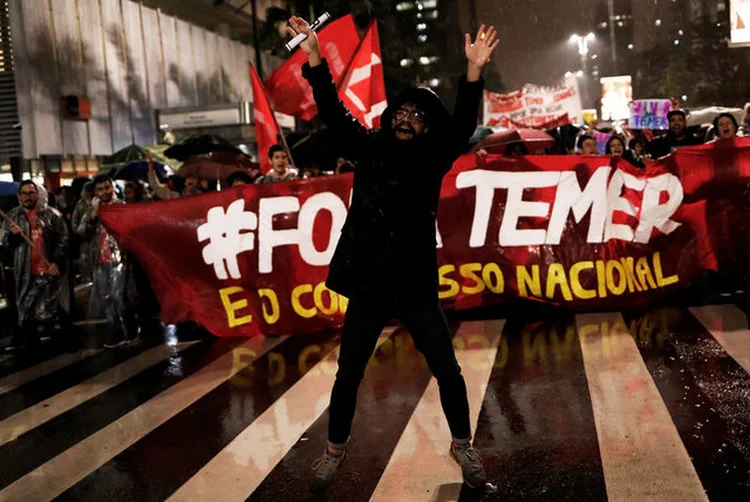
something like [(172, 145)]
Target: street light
[(583, 51)]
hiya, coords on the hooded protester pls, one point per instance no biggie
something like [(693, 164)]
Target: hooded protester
[(110, 273), (677, 137), (41, 292), (386, 261)]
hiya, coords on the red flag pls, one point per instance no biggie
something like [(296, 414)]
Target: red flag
[(363, 88), (266, 128), (288, 89)]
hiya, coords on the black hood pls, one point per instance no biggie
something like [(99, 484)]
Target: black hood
[(437, 117)]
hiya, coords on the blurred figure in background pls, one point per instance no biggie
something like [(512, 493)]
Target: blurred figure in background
[(239, 178), (677, 137), (110, 270), (725, 126), (280, 166), (616, 147), (41, 292), (134, 192), (587, 145)]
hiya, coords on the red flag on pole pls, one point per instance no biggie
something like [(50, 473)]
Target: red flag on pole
[(288, 89), (363, 87), (266, 128)]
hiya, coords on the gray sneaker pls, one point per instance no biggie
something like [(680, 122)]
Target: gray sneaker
[(471, 465), (325, 467)]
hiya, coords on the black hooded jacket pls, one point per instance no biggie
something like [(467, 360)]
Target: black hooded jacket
[(387, 244)]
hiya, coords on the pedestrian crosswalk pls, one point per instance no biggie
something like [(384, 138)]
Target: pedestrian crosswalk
[(618, 406)]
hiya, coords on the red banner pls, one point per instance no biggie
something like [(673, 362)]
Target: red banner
[(288, 89), (585, 232)]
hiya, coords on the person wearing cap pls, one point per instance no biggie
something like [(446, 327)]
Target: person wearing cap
[(386, 259), (677, 137)]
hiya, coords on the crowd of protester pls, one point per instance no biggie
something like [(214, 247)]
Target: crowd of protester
[(75, 248)]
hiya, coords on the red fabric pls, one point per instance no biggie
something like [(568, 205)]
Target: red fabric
[(363, 88), (38, 266), (276, 283), (266, 128), (288, 89)]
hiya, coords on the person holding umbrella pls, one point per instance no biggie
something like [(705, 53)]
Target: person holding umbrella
[(163, 192)]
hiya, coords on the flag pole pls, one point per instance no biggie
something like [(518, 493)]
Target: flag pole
[(27, 239), (285, 145)]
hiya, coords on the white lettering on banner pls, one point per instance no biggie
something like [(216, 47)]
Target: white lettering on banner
[(655, 215), (617, 203), (306, 222), (231, 232), (569, 197), (268, 238), (223, 230)]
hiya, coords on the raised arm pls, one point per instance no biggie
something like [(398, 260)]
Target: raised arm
[(471, 86), (330, 108)]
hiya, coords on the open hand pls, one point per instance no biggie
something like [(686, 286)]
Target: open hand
[(480, 52), (310, 46)]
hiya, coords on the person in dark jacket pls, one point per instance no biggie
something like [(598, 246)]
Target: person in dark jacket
[(677, 137), (386, 261)]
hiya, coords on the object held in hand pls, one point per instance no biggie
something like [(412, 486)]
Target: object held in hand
[(294, 43)]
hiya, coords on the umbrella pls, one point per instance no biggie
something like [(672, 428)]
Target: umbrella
[(199, 145), (138, 170), (215, 166), (8, 188), (480, 133), (127, 154), (534, 139)]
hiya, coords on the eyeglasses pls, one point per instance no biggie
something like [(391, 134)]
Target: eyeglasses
[(416, 117), (27, 193)]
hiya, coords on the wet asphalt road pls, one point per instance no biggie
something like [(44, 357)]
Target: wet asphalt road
[(646, 405)]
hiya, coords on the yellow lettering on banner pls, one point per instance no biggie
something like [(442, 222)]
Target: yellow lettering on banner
[(556, 277), (468, 271), (601, 280), (644, 273), (343, 304), (525, 280), (587, 330), (563, 351), (453, 287), (333, 304), (575, 281), (532, 349), (619, 288), (660, 279), (297, 292), (276, 368), (232, 307), (502, 359), (498, 284), (627, 265), (271, 317), (304, 356)]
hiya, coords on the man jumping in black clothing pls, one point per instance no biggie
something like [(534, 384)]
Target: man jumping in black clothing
[(389, 239)]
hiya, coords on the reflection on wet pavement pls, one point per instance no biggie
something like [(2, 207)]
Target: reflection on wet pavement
[(648, 405)]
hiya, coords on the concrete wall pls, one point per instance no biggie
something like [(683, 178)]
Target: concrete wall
[(127, 59)]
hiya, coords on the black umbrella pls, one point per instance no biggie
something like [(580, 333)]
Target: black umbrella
[(199, 145), (127, 154)]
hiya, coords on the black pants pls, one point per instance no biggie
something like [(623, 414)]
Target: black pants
[(424, 319)]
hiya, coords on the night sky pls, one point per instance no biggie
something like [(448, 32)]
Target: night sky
[(534, 37)]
